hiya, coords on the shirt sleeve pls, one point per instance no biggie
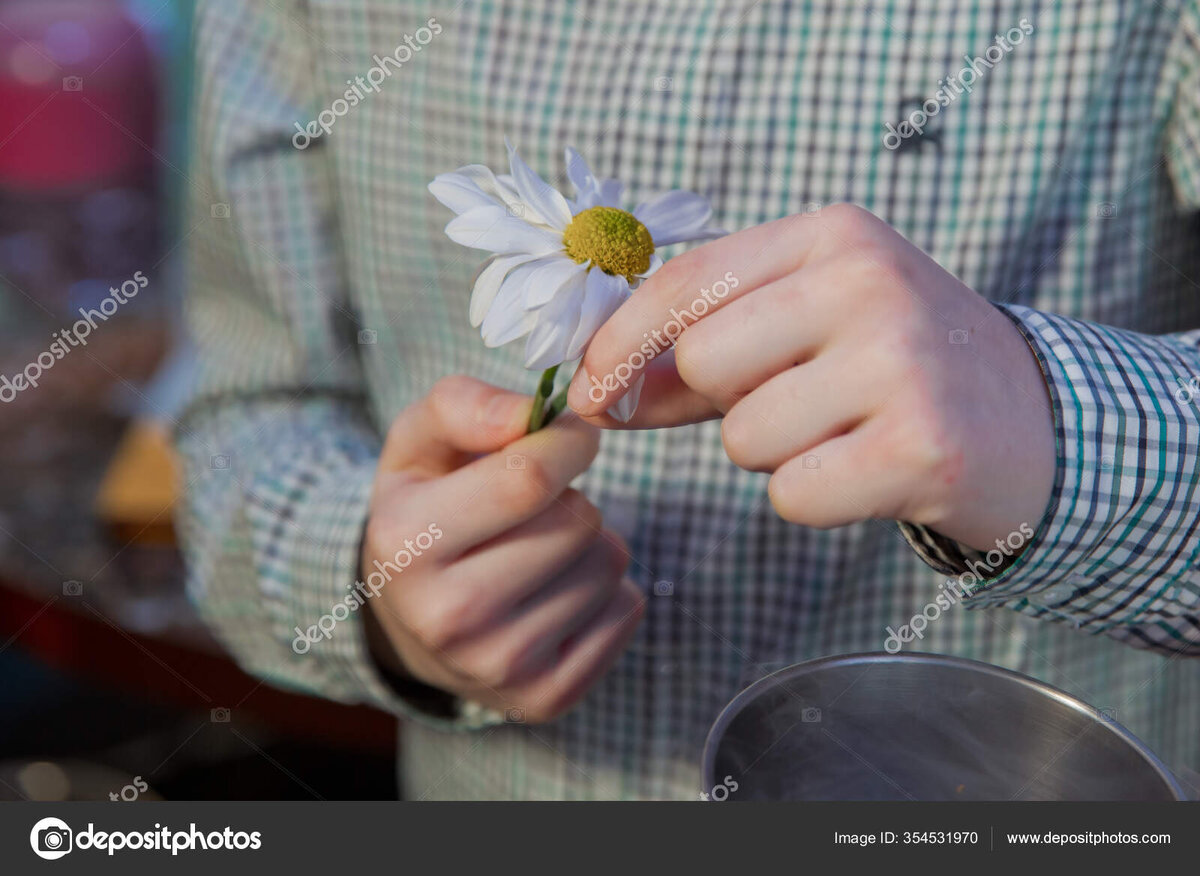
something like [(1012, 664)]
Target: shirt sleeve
[(1117, 550), (1181, 84), (277, 444)]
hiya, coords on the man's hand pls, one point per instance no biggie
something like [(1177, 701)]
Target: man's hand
[(871, 382), (521, 603)]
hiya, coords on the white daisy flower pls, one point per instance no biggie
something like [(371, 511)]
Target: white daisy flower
[(560, 267)]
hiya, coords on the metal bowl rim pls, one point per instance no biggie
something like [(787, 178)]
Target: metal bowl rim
[(735, 706)]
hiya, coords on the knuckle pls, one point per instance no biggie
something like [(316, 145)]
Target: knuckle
[(582, 513), (693, 355), (784, 500), (553, 704), (500, 669), (619, 558), (848, 221), (443, 623), (446, 390), (738, 431), (897, 351), (528, 488), (589, 437), (796, 504), (883, 261), (675, 272), (544, 712)]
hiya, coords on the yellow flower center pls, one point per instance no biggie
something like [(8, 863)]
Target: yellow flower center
[(615, 241)]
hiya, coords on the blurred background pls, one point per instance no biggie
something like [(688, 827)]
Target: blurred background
[(110, 688)]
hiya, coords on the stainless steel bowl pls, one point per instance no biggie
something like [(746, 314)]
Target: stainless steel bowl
[(921, 727)]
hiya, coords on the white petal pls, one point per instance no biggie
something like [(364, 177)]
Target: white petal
[(548, 342), (580, 175), (590, 191), (670, 217), (624, 409), (551, 277), (602, 296), (501, 189), (707, 232), (488, 282), (511, 331), (656, 262), (492, 228), (506, 320), (491, 183), (537, 193), (460, 193), (611, 192)]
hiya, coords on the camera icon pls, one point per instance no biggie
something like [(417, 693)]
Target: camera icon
[(1106, 210), (664, 83), (72, 83), (220, 211), (514, 716), (517, 211), (53, 842), (72, 588), (958, 337), (664, 588), (811, 460), (811, 208), (220, 462), (219, 716), (811, 715), (1107, 463), (515, 462), (367, 336), (1109, 715)]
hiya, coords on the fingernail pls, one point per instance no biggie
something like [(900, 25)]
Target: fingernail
[(578, 398)]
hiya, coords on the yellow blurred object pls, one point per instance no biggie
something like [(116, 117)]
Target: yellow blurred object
[(138, 493)]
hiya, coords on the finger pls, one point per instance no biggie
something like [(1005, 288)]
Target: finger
[(498, 575), (527, 644), (726, 269), (459, 417), (752, 339), (585, 658), (491, 495), (801, 408), (844, 480), (665, 401)]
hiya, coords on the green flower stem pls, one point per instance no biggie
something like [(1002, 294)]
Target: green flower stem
[(556, 405), (537, 416)]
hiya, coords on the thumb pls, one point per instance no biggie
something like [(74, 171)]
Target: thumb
[(460, 417)]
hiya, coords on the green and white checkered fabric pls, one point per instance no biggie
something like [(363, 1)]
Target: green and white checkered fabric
[(1064, 186)]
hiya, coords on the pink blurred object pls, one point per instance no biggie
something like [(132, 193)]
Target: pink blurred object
[(78, 96)]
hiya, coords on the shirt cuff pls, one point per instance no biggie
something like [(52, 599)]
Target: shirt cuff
[(1116, 549)]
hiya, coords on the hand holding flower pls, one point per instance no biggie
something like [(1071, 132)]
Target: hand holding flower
[(560, 267), (869, 381)]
